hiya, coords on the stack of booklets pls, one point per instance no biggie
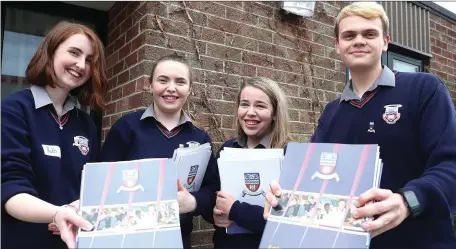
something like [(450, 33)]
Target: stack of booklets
[(320, 182), (132, 204), (191, 163), (246, 174)]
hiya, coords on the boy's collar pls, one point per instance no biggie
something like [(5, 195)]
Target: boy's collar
[(386, 78)]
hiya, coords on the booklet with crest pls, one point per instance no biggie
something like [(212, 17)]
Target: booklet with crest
[(132, 204), (191, 163), (246, 175), (320, 183)]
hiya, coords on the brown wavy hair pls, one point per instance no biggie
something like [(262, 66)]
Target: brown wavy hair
[(40, 70)]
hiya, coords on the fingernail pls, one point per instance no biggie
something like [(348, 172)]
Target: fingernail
[(89, 227), (278, 193), (356, 203), (355, 213)]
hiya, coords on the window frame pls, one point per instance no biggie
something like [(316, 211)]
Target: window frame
[(396, 56)]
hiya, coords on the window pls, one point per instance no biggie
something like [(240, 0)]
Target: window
[(403, 63)]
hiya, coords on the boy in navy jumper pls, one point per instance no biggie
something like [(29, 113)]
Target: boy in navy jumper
[(46, 140), (162, 128), (412, 118), (262, 121)]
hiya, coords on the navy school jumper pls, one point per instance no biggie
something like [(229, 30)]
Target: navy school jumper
[(139, 135), (40, 159), (412, 118), (243, 214)]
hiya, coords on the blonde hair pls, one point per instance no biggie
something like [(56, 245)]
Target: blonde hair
[(368, 10), (280, 129)]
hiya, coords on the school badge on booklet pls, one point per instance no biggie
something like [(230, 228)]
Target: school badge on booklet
[(252, 184), (327, 165), (191, 177), (82, 143), (130, 180), (392, 115)]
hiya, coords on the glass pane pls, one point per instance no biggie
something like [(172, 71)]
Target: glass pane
[(402, 66)]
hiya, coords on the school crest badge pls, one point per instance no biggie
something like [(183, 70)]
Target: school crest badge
[(252, 185), (130, 179), (191, 177), (392, 115), (82, 143), (328, 161)]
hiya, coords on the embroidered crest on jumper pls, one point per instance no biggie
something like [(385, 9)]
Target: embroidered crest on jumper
[(392, 115), (252, 185), (130, 179), (191, 177), (328, 161), (82, 143)]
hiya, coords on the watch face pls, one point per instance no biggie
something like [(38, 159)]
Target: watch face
[(412, 202)]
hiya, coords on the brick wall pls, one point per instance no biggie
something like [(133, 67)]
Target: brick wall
[(443, 49), (228, 42)]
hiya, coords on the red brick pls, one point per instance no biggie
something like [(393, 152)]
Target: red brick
[(210, 64), (286, 65), (441, 28), (224, 52), (129, 88), (222, 107), (224, 25), (228, 122), (116, 93), (214, 92), (258, 9), (232, 4), (230, 94), (123, 77), (241, 16), (110, 108), (436, 50), (178, 13), (106, 122), (222, 79), (112, 59), (212, 35), (297, 127), (241, 42), (272, 49), (142, 84), (208, 7), (257, 59), (275, 75)]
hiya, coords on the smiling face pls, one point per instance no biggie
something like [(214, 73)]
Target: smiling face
[(170, 86), (255, 113), (72, 60), (361, 42)]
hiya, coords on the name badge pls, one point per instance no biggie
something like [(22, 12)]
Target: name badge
[(52, 150)]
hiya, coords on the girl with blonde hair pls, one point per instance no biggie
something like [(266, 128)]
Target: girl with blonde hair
[(261, 121)]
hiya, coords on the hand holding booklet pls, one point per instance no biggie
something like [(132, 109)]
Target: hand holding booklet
[(191, 163), (320, 183), (133, 204), (246, 173)]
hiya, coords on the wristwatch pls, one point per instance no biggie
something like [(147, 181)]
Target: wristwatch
[(412, 203)]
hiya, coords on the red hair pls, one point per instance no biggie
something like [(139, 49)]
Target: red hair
[(40, 70)]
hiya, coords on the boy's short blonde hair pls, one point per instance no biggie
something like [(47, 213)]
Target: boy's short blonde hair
[(368, 10)]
